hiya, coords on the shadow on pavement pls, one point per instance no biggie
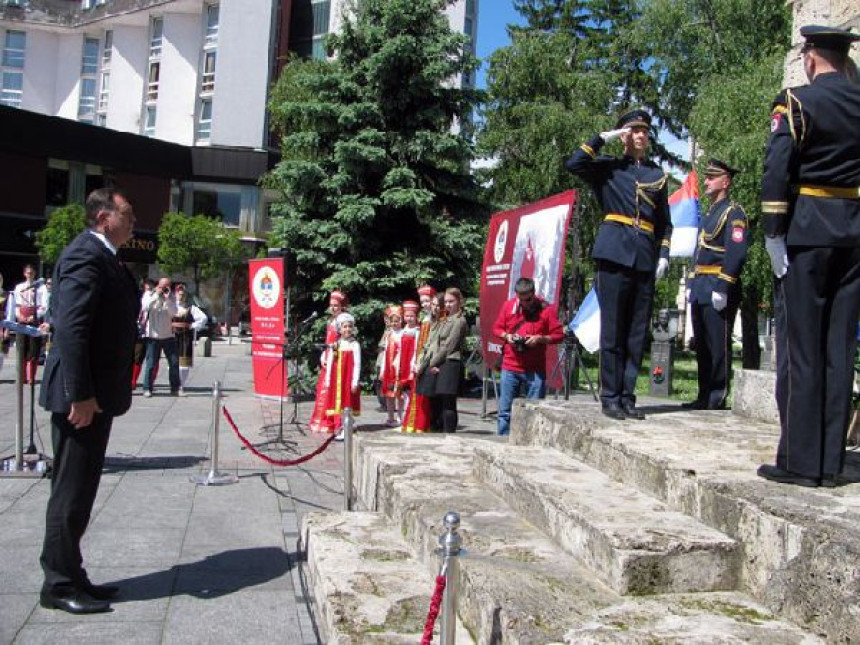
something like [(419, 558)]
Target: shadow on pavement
[(214, 576), (173, 462)]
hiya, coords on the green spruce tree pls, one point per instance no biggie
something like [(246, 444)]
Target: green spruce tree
[(375, 183)]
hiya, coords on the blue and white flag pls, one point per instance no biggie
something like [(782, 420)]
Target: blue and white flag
[(586, 322)]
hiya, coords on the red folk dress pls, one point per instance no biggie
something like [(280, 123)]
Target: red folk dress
[(320, 421), (417, 417), (342, 371)]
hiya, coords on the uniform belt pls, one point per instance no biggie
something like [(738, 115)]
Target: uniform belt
[(829, 191), (629, 221), (707, 269)]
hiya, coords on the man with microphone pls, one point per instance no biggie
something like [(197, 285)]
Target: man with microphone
[(631, 248)]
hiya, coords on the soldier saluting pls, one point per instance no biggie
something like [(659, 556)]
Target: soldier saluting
[(715, 290), (811, 207), (632, 245)]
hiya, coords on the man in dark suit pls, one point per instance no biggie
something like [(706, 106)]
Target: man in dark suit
[(811, 205), (631, 248), (87, 382), (715, 286)]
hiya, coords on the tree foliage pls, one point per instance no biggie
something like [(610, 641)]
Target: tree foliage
[(64, 224), (199, 244), (376, 195)]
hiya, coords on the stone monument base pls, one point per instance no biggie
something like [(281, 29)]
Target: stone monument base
[(754, 395)]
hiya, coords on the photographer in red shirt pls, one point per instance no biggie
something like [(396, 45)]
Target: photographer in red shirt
[(526, 324)]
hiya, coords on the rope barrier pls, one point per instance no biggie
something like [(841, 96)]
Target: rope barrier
[(435, 605), (276, 462)]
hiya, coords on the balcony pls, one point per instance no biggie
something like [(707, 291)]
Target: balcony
[(68, 13)]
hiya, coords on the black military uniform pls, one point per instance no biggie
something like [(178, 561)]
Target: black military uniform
[(721, 250), (635, 233), (811, 198)]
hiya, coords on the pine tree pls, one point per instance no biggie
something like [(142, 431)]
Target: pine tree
[(376, 190)]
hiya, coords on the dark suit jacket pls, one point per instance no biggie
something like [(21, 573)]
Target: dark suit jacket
[(94, 309)]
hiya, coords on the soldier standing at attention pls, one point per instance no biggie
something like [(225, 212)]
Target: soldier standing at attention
[(632, 245), (715, 290), (811, 207)]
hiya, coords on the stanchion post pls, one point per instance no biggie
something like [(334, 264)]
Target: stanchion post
[(348, 422), (450, 550), (214, 478), (19, 393)]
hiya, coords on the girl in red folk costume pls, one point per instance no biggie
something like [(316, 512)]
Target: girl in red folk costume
[(408, 340), (320, 421), (417, 417), (342, 367), (390, 373)]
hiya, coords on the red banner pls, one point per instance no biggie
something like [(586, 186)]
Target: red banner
[(527, 242), (267, 326)]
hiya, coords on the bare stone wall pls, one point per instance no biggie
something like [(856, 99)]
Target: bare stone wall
[(835, 13)]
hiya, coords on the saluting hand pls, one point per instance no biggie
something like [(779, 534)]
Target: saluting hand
[(609, 135), (82, 412)]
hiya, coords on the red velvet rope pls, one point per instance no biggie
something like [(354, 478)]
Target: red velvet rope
[(277, 462), (435, 605)]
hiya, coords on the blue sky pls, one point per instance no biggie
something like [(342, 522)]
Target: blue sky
[(493, 18)]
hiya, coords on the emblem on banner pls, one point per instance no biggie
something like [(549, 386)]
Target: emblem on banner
[(501, 242), (266, 287)]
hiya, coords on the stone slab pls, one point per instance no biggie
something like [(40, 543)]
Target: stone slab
[(754, 395), (800, 547), (633, 543), (367, 586), (517, 586)]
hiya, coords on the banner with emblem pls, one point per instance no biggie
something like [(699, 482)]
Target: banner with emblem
[(267, 326), (527, 242)]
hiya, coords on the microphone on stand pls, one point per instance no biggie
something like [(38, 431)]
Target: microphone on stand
[(310, 318), (35, 285)]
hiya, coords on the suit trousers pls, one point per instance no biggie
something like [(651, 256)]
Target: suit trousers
[(817, 306), (79, 456), (713, 332), (625, 296)]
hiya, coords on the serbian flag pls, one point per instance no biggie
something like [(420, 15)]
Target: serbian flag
[(684, 208)]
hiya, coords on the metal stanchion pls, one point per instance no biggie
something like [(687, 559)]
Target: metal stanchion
[(450, 551), (19, 393), (348, 423), (214, 478)]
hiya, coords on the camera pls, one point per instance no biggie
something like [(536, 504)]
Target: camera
[(519, 343)]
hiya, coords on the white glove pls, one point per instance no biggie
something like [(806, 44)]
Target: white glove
[(662, 267), (778, 253), (719, 300), (609, 135)]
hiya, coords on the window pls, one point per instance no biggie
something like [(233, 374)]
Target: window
[(470, 7), (107, 52), (467, 26), (321, 11), (208, 84), (13, 49), (12, 89), (149, 124), (155, 38), (57, 183), (87, 100), (104, 91), (204, 121), (90, 61), (212, 15), (152, 83)]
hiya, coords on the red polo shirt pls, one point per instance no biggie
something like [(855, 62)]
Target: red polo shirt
[(544, 324)]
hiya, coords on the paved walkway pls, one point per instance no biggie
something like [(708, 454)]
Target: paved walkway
[(195, 564)]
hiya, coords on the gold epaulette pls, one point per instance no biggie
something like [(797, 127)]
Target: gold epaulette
[(587, 149)]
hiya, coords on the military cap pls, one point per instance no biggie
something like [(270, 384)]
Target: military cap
[(717, 167), (828, 37), (633, 119)]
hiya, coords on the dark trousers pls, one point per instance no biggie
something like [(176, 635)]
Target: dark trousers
[(625, 298), (154, 347), (713, 332), (79, 456), (817, 306), (448, 412)]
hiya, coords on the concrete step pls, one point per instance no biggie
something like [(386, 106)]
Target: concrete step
[(800, 548), (517, 586), (632, 542), (366, 585)]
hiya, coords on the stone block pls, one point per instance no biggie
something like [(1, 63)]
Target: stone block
[(754, 395), (632, 542)]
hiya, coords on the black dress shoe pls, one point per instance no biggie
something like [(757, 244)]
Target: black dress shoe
[(101, 592), (695, 405), (76, 602), (834, 481), (631, 411), (614, 411), (777, 474)]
